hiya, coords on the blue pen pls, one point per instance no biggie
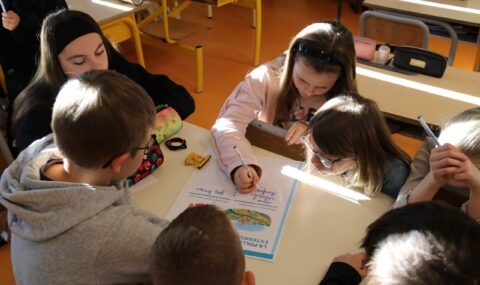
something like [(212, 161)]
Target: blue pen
[(3, 7), (244, 164), (428, 130)]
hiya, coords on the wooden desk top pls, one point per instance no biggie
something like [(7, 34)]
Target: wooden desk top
[(466, 11), (104, 11), (408, 96), (320, 225)]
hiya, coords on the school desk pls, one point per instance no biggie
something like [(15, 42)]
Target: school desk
[(465, 12), (320, 225), (407, 96), (116, 18)]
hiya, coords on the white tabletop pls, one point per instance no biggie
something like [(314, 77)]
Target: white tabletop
[(408, 96), (461, 11), (320, 225), (104, 10)]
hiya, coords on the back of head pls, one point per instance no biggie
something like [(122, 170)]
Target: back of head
[(58, 30), (100, 115), (423, 243), (463, 131), (199, 247), (351, 126), (325, 47)]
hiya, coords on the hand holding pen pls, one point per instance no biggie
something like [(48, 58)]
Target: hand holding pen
[(244, 177)]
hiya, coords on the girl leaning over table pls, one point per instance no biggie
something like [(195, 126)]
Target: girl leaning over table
[(349, 137), (318, 65)]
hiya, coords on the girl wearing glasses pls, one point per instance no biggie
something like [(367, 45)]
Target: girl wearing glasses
[(319, 64), (349, 137)]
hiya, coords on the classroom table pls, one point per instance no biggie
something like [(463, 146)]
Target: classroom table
[(465, 12), (407, 96), (320, 226), (116, 18)]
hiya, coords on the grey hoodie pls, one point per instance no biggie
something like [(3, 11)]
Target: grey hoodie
[(71, 233)]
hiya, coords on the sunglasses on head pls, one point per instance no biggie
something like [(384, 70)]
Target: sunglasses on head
[(310, 50)]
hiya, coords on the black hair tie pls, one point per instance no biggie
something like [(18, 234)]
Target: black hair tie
[(176, 143)]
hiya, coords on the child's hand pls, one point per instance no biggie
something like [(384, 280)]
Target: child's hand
[(295, 133), (357, 261), (467, 175), (244, 183), (10, 20), (445, 161)]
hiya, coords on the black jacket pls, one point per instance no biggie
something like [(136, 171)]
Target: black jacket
[(19, 48), (36, 124), (340, 273)]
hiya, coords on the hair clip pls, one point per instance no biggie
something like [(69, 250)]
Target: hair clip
[(176, 143)]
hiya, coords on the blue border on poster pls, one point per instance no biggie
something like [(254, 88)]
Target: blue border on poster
[(269, 256)]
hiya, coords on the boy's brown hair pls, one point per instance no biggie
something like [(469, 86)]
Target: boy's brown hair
[(100, 115), (199, 247)]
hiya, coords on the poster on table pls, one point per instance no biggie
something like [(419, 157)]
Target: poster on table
[(259, 217)]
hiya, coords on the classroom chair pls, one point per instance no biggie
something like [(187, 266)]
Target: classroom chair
[(169, 30), (384, 26)]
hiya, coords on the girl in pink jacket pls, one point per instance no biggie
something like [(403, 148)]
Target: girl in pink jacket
[(319, 64)]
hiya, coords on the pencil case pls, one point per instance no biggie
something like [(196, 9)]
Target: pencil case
[(152, 159), (167, 123), (420, 60), (364, 48)]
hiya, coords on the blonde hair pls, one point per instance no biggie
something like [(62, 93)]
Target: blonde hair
[(330, 48), (463, 131), (350, 126), (100, 115)]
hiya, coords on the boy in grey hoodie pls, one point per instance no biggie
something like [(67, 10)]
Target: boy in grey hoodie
[(71, 217)]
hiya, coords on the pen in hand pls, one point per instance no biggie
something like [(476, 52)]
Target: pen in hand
[(428, 130), (244, 164), (3, 7)]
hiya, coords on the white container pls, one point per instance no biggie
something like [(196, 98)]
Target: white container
[(383, 53)]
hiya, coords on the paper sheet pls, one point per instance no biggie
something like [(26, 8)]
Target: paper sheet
[(259, 217)]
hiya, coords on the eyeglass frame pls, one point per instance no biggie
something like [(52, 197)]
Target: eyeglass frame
[(328, 163), (146, 151)]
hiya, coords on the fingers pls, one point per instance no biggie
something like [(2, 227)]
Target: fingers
[(10, 20), (244, 182), (295, 133)]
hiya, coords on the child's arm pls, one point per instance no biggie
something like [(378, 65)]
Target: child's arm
[(345, 269), (247, 100), (444, 162)]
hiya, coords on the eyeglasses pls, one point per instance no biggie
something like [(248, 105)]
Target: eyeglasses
[(328, 163), (146, 151), (309, 50)]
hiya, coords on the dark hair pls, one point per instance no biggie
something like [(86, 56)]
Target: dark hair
[(49, 76), (427, 243), (351, 126), (325, 47), (199, 247)]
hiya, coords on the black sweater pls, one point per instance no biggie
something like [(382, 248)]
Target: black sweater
[(19, 48), (36, 124), (340, 273)]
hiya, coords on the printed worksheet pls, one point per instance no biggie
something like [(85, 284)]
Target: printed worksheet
[(259, 217)]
